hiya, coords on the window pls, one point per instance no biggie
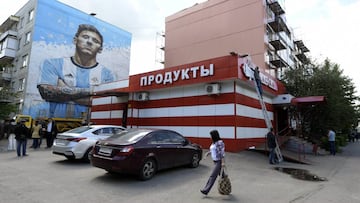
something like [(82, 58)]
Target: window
[(21, 84), (19, 43), (21, 23), (12, 86), (31, 15), (25, 60), (175, 138), (27, 38)]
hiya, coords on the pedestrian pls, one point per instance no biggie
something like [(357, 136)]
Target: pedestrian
[(11, 135), (271, 143), (21, 134), (36, 134), (51, 132), (42, 131), (217, 151), (331, 138)]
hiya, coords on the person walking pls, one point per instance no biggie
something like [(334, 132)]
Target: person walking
[(271, 143), (217, 151), (331, 138), (11, 135), (51, 132), (36, 135), (21, 134)]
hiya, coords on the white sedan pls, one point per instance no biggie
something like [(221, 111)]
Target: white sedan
[(78, 142)]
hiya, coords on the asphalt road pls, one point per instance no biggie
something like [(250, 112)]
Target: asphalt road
[(44, 177)]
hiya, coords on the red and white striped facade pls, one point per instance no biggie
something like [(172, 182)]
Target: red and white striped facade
[(178, 100)]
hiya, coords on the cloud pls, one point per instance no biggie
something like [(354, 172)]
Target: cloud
[(329, 29)]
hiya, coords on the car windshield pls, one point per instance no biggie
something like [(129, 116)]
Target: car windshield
[(129, 136), (80, 129)]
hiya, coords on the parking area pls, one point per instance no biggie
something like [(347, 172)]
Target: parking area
[(44, 177)]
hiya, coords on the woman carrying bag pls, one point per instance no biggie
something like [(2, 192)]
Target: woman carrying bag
[(217, 151)]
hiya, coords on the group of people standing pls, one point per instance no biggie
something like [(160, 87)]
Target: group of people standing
[(18, 135)]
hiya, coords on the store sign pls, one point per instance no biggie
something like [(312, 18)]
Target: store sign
[(248, 70), (171, 77)]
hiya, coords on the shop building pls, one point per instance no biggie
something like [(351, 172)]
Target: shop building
[(212, 37), (204, 85), (193, 99)]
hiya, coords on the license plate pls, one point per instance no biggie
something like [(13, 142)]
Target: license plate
[(104, 150)]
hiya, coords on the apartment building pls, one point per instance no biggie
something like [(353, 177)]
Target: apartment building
[(217, 27)]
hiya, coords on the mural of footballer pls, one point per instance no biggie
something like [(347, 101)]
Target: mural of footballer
[(67, 83)]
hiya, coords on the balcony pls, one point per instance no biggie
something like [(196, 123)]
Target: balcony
[(7, 55), (302, 57), (5, 76), (279, 25), (9, 45), (300, 45), (300, 51), (276, 7), (277, 42), (277, 61), (8, 34), (9, 23)]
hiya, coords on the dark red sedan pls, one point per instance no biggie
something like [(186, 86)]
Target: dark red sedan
[(145, 151)]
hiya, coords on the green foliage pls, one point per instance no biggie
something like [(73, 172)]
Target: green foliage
[(340, 141), (6, 107), (341, 110)]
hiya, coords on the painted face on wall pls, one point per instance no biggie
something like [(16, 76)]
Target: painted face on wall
[(88, 43)]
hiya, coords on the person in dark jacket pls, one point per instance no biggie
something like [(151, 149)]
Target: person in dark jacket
[(271, 143), (21, 134), (51, 132), (258, 80)]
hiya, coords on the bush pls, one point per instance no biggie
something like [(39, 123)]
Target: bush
[(340, 141)]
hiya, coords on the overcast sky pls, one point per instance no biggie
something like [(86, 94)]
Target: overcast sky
[(330, 29)]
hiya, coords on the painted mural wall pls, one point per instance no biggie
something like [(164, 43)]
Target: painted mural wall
[(72, 53)]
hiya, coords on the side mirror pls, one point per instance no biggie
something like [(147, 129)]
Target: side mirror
[(185, 142)]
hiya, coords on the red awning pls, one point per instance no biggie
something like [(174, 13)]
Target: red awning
[(308, 100)]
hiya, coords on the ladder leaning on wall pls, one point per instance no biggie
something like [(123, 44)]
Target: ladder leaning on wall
[(267, 119)]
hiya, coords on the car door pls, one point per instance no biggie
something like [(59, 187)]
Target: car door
[(163, 149), (179, 152)]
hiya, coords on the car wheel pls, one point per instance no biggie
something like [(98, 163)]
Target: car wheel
[(195, 160), (148, 169), (86, 155)]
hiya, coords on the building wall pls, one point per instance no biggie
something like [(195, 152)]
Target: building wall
[(52, 33), (185, 106), (215, 28), (20, 70)]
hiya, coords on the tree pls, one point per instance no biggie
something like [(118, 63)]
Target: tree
[(341, 110), (6, 107)]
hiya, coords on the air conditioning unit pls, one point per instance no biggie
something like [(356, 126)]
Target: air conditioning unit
[(142, 96), (214, 88)]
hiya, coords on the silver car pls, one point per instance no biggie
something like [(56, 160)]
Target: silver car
[(78, 142)]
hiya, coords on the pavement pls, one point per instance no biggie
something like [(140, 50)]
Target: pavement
[(334, 178)]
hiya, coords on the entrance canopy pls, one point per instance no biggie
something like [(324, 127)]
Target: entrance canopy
[(308, 100)]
